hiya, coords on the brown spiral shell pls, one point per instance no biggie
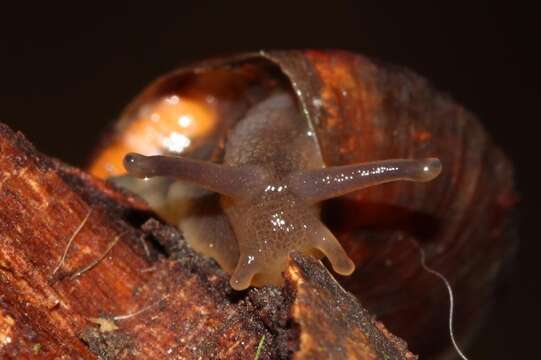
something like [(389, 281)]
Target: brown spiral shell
[(362, 111)]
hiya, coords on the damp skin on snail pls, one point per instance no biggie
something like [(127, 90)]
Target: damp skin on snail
[(270, 184)]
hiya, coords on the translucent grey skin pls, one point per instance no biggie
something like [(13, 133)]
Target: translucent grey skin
[(270, 182)]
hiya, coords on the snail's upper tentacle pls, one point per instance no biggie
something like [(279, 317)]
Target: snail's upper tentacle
[(238, 182), (321, 184)]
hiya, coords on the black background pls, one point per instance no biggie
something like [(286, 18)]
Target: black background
[(66, 72)]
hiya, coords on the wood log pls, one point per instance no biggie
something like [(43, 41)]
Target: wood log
[(87, 271)]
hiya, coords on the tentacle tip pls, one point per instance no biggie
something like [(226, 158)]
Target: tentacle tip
[(344, 267), (133, 163), (241, 282), (242, 277), (430, 169), (237, 285)]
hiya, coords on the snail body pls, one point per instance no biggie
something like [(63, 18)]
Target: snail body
[(270, 181), (255, 139)]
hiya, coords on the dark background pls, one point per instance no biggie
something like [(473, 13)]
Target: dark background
[(65, 73)]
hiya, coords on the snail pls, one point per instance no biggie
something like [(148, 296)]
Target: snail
[(270, 181), (292, 140)]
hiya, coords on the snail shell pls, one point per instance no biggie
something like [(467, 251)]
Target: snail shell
[(360, 112)]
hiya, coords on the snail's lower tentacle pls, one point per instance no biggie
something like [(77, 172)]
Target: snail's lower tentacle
[(327, 243), (246, 269)]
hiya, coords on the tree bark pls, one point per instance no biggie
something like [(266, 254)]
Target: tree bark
[(86, 271)]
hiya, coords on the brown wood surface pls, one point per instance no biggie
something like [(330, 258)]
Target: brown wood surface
[(148, 295)]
